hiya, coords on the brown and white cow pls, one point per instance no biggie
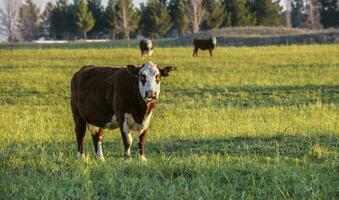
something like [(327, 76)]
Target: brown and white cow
[(111, 98), (204, 44)]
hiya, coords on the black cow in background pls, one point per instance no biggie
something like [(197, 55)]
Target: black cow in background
[(204, 44), (146, 47)]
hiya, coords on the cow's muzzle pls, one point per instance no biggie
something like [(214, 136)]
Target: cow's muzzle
[(150, 95)]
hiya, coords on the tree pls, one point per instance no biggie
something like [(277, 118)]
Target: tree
[(298, 13), (266, 12), (196, 13), (240, 14), (155, 19), (127, 17), (29, 15), (9, 20), (98, 13), (84, 18), (111, 18), (179, 16), (287, 13), (59, 19), (215, 14), (329, 13), (313, 15), (45, 26)]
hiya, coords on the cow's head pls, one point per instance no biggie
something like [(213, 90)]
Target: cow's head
[(149, 44), (149, 76), (214, 40)]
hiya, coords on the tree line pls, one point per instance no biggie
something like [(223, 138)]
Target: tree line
[(120, 19)]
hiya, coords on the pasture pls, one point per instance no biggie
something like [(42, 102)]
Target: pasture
[(249, 123)]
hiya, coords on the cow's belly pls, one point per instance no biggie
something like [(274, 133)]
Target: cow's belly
[(94, 128), (129, 122), (133, 125), (113, 124)]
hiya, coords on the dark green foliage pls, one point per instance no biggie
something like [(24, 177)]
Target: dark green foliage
[(98, 12), (45, 27), (61, 20), (84, 18), (238, 13), (329, 13), (111, 18), (29, 20), (215, 14), (267, 13), (299, 17), (178, 13), (127, 17), (155, 19)]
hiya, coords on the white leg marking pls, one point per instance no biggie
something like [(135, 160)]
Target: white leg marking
[(143, 158), (128, 137), (130, 141), (79, 155), (100, 155)]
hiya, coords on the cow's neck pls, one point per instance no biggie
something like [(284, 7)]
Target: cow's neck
[(143, 108)]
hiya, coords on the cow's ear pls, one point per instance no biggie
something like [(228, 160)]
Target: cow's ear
[(166, 71), (133, 70)]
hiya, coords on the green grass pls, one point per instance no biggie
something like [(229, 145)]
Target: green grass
[(249, 123)]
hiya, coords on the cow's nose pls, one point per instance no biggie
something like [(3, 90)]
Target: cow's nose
[(151, 94)]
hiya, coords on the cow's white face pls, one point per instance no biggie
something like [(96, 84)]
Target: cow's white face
[(214, 40), (149, 82), (149, 44)]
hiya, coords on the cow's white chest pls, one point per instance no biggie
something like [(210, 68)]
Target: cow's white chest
[(132, 125)]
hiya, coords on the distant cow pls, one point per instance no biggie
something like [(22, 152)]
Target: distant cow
[(146, 47), (204, 44), (108, 97)]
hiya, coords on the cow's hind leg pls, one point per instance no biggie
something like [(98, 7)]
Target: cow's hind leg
[(80, 130), (97, 136)]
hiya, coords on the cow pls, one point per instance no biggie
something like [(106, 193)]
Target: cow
[(112, 98), (146, 48), (204, 44)]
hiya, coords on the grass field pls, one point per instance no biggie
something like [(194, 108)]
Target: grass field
[(249, 123)]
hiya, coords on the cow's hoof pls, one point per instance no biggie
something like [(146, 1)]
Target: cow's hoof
[(101, 158), (143, 159), (80, 156), (128, 158)]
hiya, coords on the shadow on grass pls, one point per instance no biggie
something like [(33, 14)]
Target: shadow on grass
[(282, 145), (285, 145), (257, 96), (311, 65)]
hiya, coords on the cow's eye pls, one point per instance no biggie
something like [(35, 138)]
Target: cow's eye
[(157, 79), (142, 79)]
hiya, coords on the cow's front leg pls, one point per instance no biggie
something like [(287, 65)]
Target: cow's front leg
[(126, 139), (141, 144), (195, 52)]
